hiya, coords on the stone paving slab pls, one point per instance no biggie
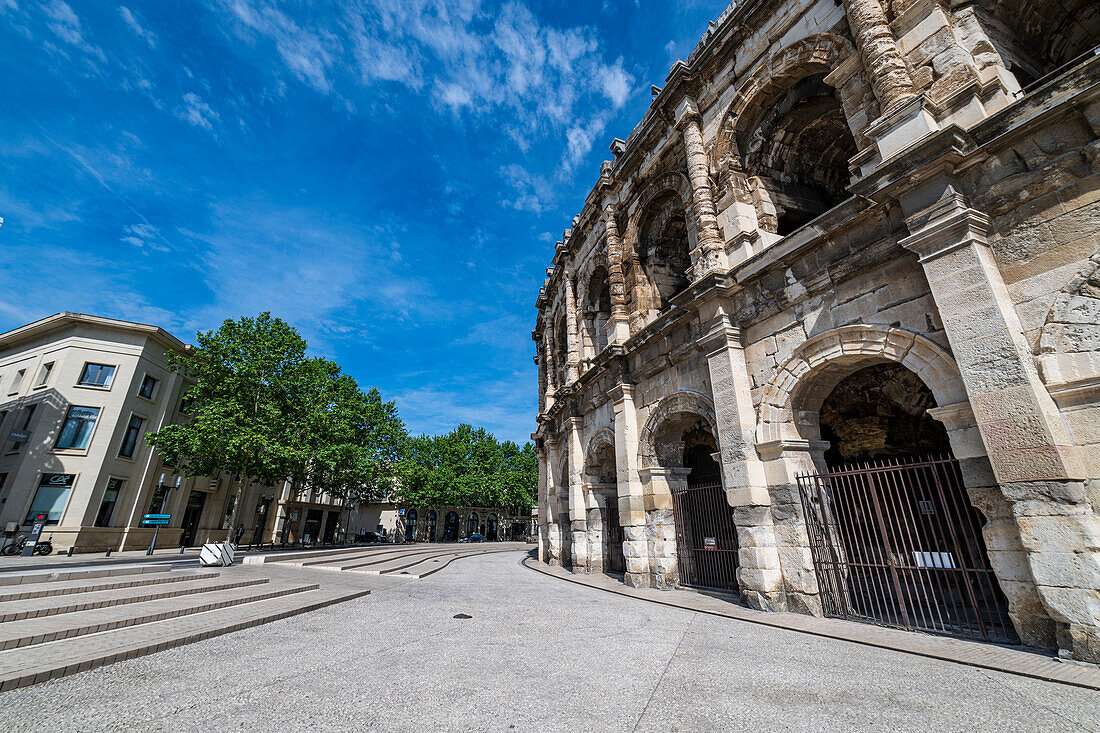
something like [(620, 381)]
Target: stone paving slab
[(68, 587), (975, 654), (70, 603), (16, 634), (31, 575)]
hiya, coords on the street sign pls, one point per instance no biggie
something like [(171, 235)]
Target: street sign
[(157, 516), (158, 522)]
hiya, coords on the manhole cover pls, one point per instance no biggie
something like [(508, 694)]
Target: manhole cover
[(462, 615)]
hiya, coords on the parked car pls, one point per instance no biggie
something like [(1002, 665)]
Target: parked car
[(475, 537)]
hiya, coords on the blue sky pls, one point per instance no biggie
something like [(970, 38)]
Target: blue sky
[(390, 176)]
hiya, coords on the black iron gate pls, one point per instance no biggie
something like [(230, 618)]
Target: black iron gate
[(615, 561), (706, 539), (897, 543)]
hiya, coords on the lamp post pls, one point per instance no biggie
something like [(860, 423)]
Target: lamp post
[(156, 527)]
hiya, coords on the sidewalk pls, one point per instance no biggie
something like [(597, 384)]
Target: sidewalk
[(975, 654)]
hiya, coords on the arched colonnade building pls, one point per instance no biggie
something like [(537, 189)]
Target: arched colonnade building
[(825, 332)]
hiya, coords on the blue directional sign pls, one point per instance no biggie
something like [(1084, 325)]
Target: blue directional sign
[(155, 521), (158, 516)]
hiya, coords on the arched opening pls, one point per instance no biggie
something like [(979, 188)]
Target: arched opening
[(491, 533), (894, 537), (562, 348), (881, 411), (799, 150), (604, 526), (450, 527), (706, 537), (430, 533), (664, 246), (598, 309), (1035, 38), (410, 525), (471, 525)]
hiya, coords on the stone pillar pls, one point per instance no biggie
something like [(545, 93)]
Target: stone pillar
[(878, 48), (572, 346), (543, 516), (1033, 458), (709, 254), (578, 515), (631, 500), (553, 528), (659, 484), (618, 326), (759, 568)]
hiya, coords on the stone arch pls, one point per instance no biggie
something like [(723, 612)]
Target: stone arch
[(679, 403), (1069, 344), (789, 404), (602, 437)]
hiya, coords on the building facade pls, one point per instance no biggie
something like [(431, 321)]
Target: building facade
[(452, 523), (78, 393), (826, 332)]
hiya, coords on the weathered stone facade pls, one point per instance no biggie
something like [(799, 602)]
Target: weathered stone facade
[(837, 228)]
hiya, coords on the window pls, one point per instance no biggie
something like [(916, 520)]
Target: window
[(148, 387), (107, 506), (131, 436), (76, 431), (53, 493), (186, 404), (97, 375), (44, 375), (17, 381), (160, 495)]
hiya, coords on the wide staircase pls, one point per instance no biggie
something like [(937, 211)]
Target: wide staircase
[(55, 624), (413, 561)]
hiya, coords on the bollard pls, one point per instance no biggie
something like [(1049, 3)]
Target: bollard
[(108, 552), (70, 553), (181, 549)]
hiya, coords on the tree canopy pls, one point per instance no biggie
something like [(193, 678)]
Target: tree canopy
[(261, 409), (467, 467)]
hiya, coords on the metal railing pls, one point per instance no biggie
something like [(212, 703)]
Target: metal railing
[(706, 539), (897, 542)]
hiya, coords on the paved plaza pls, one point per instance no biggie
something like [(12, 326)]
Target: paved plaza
[(537, 654)]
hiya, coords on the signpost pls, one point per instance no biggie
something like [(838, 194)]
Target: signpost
[(36, 532), (156, 521)]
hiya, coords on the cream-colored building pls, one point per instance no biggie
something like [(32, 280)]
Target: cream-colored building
[(78, 393), (826, 331)]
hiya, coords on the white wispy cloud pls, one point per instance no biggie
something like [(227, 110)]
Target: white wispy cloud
[(305, 51), (63, 21), (139, 30), (197, 112)]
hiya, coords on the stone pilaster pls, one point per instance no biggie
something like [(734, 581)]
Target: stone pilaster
[(543, 516), (553, 528), (578, 519), (659, 484), (878, 48), (550, 363), (709, 254), (1032, 456), (572, 344), (618, 325), (632, 514), (759, 569)]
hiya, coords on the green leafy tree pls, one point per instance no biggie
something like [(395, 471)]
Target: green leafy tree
[(467, 467)]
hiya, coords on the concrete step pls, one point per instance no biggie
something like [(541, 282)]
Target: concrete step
[(423, 566), (294, 556), (67, 587), (382, 557), (16, 634), (48, 576), (71, 603), (22, 667)]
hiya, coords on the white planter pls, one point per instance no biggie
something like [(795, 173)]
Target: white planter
[(216, 554)]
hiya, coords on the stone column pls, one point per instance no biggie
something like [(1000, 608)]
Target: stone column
[(759, 568), (573, 355), (553, 528), (551, 362), (543, 516), (618, 326), (659, 484), (631, 500), (578, 518), (878, 48), (1033, 458), (709, 254)]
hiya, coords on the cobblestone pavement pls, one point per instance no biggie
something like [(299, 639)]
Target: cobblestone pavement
[(538, 654)]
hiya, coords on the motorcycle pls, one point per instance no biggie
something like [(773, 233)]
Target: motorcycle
[(15, 547)]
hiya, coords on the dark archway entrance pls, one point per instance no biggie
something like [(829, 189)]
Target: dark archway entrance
[(471, 525), (450, 527), (430, 533), (410, 525), (491, 533), (894, 537)]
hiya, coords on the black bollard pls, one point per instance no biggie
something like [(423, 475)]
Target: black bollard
[(70, 553), (108, 552), (181, 549)]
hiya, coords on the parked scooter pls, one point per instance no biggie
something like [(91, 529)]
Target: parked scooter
[(15, 547)]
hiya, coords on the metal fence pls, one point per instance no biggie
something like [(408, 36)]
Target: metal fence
[(706, 539), (613, 537), (897, 542)]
